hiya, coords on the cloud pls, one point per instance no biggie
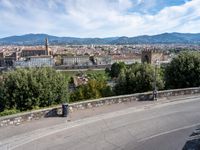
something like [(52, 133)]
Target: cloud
[(98, 18)]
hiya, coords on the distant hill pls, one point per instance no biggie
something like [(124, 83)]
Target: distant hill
[(165, 38)]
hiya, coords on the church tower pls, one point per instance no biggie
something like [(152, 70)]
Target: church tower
[(47, 46)]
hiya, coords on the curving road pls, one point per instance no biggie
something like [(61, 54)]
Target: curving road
[(164, 126)]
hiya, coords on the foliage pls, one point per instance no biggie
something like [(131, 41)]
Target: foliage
[(2, 101), (89, 71), (95, 88), (138, 78), (183, 71), (116, 69), (25, 89), (98, 76), (107, 70), (9, 112)]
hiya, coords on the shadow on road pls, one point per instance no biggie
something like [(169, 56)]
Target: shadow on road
[(148, 97), (194, 141), (53, 113)]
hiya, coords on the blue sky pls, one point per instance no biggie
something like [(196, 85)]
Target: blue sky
[(98, 18)]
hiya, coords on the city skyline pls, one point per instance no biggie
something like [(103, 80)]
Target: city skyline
[(98, 18)]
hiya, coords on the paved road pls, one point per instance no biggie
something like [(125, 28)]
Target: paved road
[(165, 126)]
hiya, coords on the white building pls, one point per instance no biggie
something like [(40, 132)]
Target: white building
[(35, 61), (103, 60), (127, 59), (76, 60)]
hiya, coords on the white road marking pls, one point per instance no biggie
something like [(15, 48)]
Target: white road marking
[(25, 138), (168, 132)]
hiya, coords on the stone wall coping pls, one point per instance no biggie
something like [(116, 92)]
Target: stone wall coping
[(93, 100), (107, 98), (130, 95), (175, 90), (28, 112)]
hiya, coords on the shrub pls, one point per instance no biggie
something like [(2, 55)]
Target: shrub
[(183, 71), (9, 112), (138, 78), (25, 89)]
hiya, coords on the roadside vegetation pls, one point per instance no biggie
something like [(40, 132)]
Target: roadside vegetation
[(138, 78), (89, 71), (96, 87), (28, 89), (183, 71)]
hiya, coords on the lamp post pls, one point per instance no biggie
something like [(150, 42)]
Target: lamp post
[(155, 92)]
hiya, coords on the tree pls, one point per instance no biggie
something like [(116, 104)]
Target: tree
[(98, 76), (138, 78), (107, 70), (116, 68), (25, 89), (183, 71), (95, 88)]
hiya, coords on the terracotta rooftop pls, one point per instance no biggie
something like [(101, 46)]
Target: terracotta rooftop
[(40, 56), (33, 48), (80, 81), (126, 56)]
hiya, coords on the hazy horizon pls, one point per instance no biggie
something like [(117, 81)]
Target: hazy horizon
[(97, 37)]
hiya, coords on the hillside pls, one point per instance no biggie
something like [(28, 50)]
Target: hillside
[(165, 38)]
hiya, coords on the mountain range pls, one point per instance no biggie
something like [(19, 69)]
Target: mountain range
[(165, 38)]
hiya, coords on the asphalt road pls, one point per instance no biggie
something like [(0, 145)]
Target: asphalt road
[(165, 126)]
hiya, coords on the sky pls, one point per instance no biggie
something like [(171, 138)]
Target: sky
[(98, 18)]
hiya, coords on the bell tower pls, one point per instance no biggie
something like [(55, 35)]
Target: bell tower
[(47, 46)]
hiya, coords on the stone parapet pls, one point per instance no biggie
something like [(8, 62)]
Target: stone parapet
[(18, 119)]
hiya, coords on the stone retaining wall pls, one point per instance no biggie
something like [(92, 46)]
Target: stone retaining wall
[(57, 111)]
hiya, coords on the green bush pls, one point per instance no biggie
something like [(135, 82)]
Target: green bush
[(183, 71), (9, 112), (116, 69), (92, 90), (138, 78), (25, 89)]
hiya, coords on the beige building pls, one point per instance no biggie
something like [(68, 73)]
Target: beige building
[(35, 61), (82, 60), (7, 58), (152, 55), (103, 60), (36, 50), (126, 58)]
